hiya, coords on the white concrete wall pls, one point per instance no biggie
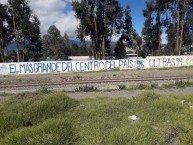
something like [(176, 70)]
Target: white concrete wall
[(94, 65), (79, 58)]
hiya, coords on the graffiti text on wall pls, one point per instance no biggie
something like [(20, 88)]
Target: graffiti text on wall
[(165, 62), (73, 66), (94, 65)]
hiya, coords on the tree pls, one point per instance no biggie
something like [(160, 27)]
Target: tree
[(5, 31), (186, 7), (160, 9), (147, 34), (188, 29), (54, 44), (138, 40), (120, 50), (154, 14), (99, 19), (22, 19), (171, 36), (67, 44), (179, 25), (75, 50), (34, 40), (128, 31)]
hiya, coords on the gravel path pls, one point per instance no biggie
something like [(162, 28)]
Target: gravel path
[(118, 93)]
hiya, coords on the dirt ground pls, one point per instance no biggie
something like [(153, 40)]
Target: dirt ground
[(129, 94), (41, 78)]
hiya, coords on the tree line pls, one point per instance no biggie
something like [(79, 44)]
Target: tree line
[(175, 19), (100, 20), (21, 27)]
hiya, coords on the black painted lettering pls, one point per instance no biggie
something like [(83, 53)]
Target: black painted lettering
[(164, 62), (112, 64), (12, 68), (58, 66), (120, 63), (64, 66), (69, 66), (131, 63), (101, 65)]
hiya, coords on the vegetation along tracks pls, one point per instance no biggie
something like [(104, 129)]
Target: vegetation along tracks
[(81, 82)]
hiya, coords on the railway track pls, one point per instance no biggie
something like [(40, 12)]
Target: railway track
[(81, 82)]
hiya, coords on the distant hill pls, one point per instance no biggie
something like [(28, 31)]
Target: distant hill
[(79, 43)]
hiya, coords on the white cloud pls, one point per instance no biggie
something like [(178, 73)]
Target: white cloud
[(3, 1), (52, 12)]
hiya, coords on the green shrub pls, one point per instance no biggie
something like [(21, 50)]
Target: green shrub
[(122, 87), (85, 89), (26, 112), (51, 132)]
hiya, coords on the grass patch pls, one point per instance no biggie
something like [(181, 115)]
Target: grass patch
[(26, 110), (55, 119), (51, 132), (177, 84)]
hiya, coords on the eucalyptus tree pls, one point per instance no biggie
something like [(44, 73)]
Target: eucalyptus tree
[(160, 10), (181, 13), (188, 29), (128, 31), (147, 34), (186, 8), (34, 44), (5, 31), (99, 20), (128, 37), (156, 18), (23, 19), (54, 45), (119, 51), (138, 40)]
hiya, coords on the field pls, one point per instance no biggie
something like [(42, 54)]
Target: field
[(52, 118)]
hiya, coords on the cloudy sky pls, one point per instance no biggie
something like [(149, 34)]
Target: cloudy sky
[(60, 14), (54, 12)]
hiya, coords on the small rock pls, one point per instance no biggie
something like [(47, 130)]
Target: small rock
[(133, 118), (81, 105), (191, 107), (182, 102)]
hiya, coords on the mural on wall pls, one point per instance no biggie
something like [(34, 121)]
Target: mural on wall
[(94, 65), (189, 61)]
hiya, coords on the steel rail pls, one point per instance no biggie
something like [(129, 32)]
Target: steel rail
[(97, 81)]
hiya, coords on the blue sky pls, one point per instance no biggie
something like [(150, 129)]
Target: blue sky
[(136, 12)]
